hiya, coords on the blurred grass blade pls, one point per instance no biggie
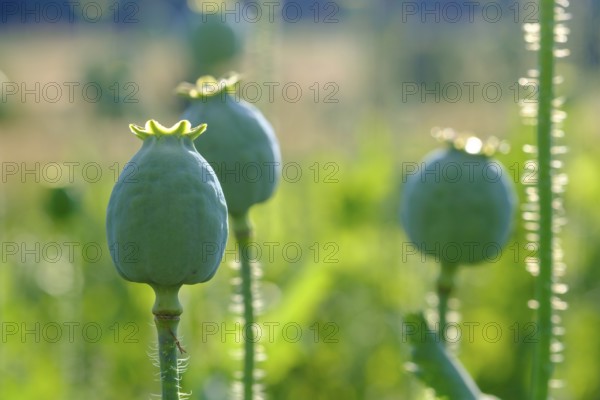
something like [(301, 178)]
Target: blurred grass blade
[(435, 366)]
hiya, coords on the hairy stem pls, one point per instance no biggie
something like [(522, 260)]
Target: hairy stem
[(542, 367), (445, 285), (166, 312), (243, 234)]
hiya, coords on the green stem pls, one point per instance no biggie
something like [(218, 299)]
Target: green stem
[(243, 234), (167, 310), (436, 366), (542, 367), (445, 285)]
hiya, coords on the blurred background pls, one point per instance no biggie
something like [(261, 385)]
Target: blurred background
[(353, 90)]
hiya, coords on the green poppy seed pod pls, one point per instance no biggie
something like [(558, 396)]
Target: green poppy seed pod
[(458, 206), (241, 145), (167, 218), (213, 40)]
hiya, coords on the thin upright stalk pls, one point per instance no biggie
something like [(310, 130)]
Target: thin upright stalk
[(542, 366), (166, 317), (445, 285), (167, 353), (243, 233)]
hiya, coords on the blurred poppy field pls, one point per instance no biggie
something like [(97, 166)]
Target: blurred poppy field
[(353, 90)]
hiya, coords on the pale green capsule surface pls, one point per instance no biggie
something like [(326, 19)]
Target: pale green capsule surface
[(167, 217), (458, 206)]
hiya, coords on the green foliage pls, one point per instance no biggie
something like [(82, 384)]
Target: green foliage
[(434, 364), (61, 203), (361, 286)]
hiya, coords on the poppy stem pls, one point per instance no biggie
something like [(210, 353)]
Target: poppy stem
[(445, 285), (242, 229)]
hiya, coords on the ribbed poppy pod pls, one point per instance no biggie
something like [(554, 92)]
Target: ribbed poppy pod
[(241, 145), (167, 217), (458, 205)]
